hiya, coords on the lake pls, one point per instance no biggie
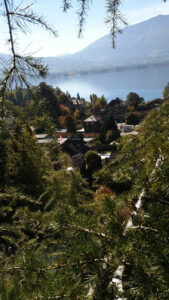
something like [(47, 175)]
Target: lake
[(148, 82)]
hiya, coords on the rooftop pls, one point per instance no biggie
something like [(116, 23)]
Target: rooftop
[(44, 141), (92, 118), (41, 136)]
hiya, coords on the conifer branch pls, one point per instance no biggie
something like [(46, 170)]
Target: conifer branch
[(143, 227), (19, 68), (115, 20), (10, 28), (54, 267), (31, 18), (129, 226), (66, 5), (98, 234), (82, 14)]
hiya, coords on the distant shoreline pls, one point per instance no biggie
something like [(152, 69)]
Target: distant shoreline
[(106, 70)]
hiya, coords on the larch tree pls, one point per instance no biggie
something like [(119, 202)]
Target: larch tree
[(59, 243)]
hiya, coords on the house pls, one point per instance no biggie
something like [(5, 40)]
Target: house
[(126, 129), (150, 105), (78, 103), (62, 133), (77, 160), (74, 145), (104, 155), (92, 124), (145, 108), (123, 127), (74, 104), (43, 138)]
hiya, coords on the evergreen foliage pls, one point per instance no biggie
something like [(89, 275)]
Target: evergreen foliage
[(133, 99), (132, 118), (70, 124), (46, 101), (97, 103), (92, 163), (108, 125), (59, 239), (68, 242), (26, 163)]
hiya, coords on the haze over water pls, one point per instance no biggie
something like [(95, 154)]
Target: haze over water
[(147, 82)]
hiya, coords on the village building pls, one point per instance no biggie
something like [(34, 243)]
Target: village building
[(150, 105), (62, 133), (76, 147), (43, 138), (77, 160), (92, 124), (145, 108), (79, 103), (74, 104), (123, 127)]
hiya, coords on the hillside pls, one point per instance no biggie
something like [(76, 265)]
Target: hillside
[(142, 44)]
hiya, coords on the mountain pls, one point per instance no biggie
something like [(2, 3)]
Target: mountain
[(139, 45)]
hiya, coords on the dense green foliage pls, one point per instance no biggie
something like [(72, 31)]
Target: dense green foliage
[(97, 103), (60, 239), (108, 131), (132, 118), (92, 163), (133, 99), (26, 162), (49, 101)]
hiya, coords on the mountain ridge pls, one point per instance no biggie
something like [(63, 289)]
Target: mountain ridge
[(142, 44)]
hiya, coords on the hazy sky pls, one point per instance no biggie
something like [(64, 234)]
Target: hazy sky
[(41, 43)]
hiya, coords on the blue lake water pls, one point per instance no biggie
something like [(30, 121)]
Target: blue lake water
[(147, 82)]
